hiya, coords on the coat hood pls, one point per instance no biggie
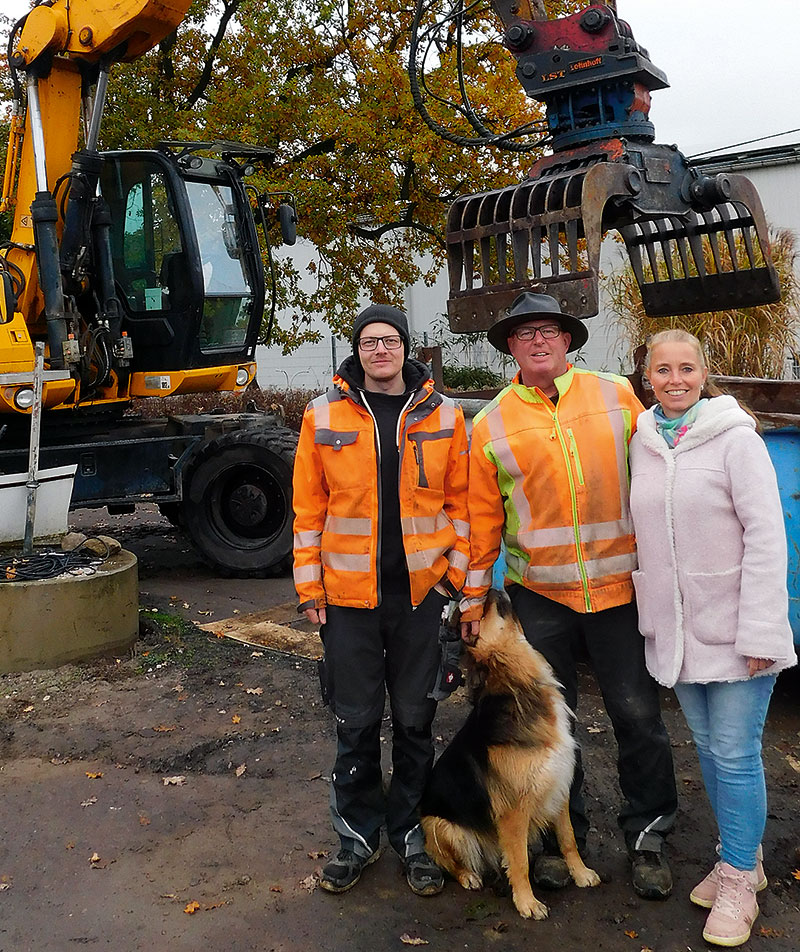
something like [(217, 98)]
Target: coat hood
[(716, 416)]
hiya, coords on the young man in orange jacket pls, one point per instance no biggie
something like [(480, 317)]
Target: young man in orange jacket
[(549, 478), (381, 544)]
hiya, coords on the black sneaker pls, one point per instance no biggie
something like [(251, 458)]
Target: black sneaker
[(550, 871), (423, 875), (652, 878), (344, 872)]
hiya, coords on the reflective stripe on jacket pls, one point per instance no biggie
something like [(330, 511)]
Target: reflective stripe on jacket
[(337, 497), (553, 482)]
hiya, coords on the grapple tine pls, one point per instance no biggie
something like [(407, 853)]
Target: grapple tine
[(711, 231), (729, 231), (572, 243), (665, 238)]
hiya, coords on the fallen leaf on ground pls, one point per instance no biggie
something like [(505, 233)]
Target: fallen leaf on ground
[(236, 719), (163, 728), (169, 896), (595, 730), (5, 885), (220, 634), (793, 762), (96, 862), (144, 819), (255, 690), (318, 854), (769, 933), (276, 888), (89, 802), (59, 761), (69, 846), (241, 769), (310, 882), (199, 612), (796, 874), (28, 709), (631, 933), (413, 939), (257, 654), (216, 905), (646, 948), (173, 781), (191, 908)]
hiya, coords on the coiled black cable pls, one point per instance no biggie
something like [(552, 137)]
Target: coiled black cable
[(50, 563)]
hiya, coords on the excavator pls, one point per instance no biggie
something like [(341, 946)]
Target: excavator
[(696, 242), (141, 274)]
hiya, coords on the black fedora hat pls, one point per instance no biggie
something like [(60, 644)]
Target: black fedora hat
[(530, 306)]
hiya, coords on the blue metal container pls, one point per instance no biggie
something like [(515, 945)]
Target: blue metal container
[(784, 450)]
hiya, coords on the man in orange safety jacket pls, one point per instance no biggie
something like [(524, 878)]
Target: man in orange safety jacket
[(381, 544), (549, 480)]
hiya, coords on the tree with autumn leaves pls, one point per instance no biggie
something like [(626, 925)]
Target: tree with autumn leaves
[(325, 84)]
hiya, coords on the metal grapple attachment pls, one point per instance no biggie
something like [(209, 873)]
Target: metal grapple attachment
[(696, 243)]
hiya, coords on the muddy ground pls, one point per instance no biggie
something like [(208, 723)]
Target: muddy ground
[(176, 799)]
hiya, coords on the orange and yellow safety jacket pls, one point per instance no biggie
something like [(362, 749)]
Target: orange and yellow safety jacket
[(551, 481), (337, 496)]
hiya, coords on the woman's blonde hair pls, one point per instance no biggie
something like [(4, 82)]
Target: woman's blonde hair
[(676, 335)]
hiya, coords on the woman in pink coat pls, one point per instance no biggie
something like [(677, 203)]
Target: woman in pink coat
[(712, 599)]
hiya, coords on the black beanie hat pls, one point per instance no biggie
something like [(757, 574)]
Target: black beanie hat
[(386, 315)]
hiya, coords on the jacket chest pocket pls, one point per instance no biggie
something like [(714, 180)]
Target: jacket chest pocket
[(430, 454), (342, 456), (336, 439)]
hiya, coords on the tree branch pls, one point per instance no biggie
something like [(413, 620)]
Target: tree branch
[(229, 9)]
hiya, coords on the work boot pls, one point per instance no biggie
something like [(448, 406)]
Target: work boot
[(652, 878), (423, 876), (705, 892), (550, 871), (342, 873), (735, 908)]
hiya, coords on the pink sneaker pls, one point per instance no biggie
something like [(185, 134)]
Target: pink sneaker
[(735, 909), (705, 892)]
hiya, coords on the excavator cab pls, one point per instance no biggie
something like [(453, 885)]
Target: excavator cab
[(186, 259)]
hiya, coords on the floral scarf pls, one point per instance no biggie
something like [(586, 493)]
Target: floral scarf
[(674, 430)]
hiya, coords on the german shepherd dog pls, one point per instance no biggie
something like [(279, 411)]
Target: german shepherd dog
[(505, 777)]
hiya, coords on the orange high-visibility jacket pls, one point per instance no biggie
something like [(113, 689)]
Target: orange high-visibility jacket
[(552, 481), (337, 497)]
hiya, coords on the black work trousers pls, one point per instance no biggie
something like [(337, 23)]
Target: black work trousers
[(616, 654), (368, 652)]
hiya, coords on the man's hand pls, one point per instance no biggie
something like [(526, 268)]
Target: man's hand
[(754, 665), (470, 630), (316, 616)]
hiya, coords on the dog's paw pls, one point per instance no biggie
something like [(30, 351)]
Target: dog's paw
[(531, 908), (586, 877), (470, 881)]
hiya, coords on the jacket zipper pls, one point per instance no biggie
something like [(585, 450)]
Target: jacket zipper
[(575, 456), (574, 504)]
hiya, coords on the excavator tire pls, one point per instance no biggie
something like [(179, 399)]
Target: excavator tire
[(237, 503)]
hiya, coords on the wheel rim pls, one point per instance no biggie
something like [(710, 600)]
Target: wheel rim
[(246, 504)]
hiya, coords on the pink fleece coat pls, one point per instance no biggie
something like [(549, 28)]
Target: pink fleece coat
[(711, 584)]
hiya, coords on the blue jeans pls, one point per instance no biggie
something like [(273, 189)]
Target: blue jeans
[(726, 719)]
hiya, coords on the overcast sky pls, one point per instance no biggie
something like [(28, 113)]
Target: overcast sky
[(733, 67)]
